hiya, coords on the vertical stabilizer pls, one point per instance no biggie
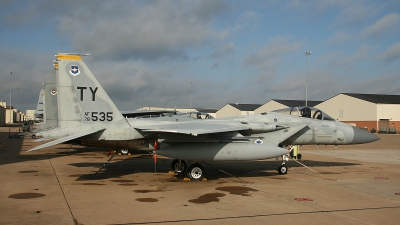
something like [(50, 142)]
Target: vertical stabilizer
[(50, 101), (39, 107), (81, 98)]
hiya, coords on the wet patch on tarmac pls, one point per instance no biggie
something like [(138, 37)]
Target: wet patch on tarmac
[(303, 199), (147, 191), (236, 190), (279, 177), (147, 200), (28, 171), (122, 181), (26, 195), (330, 172), (207, 198), (127, 184)]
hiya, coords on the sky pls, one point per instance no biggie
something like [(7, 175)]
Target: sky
[(209, 53)]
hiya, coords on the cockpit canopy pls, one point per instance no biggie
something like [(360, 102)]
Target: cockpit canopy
[(305, 111)]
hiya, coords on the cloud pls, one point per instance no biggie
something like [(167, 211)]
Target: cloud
[(392, 53), (361, 53), (152, 31), (339, 36), (356, 12), (269, 56), (381, 27)]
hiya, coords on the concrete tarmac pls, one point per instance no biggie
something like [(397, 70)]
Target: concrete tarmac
[(357, 184)]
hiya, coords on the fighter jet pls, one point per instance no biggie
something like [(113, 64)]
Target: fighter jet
[(87, 115)]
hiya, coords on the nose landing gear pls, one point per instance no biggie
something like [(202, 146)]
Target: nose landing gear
[(282, 169)]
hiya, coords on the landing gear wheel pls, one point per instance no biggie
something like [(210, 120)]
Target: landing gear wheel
[(124, 151), (178, 166), (282, 169), (299, 156), (33, 136), (195, 172)]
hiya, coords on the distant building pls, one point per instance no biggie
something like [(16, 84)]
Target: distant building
[(30, 114), (236, 109), (2, 113), (364, 110), (10, 114)]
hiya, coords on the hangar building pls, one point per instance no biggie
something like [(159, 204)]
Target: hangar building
[(364, 110), (236, 109)]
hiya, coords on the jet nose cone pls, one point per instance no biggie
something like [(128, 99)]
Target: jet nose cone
[(362, 136)]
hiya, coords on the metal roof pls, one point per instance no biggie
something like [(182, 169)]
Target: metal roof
[(294, 103), (376, 98), (245, 107)]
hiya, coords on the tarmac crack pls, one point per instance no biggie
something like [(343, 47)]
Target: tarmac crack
[(266, 215), (62, 190)]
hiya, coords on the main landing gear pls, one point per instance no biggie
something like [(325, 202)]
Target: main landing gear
[(124, 151), (195, 171), (178, 166)]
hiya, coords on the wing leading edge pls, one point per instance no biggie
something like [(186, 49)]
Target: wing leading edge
[(193, 129)]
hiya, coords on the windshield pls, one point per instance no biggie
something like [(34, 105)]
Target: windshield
[(304, 111)]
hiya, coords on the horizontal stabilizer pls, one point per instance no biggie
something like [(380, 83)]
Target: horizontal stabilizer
[(41, 139), (64, 139)]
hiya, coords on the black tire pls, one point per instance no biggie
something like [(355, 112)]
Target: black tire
[(33, 136), (195, 172), (282, 169), (299, 156), (179, 168), (124, 151)]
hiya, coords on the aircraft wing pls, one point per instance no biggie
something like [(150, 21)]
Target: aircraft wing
[(138, 113), (64, 139), (192, 128)]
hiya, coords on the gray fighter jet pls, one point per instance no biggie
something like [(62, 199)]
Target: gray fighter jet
[(87, 115)]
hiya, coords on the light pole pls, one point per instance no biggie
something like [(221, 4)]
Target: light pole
[(10, 95), (307, 54), (190, 99)]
